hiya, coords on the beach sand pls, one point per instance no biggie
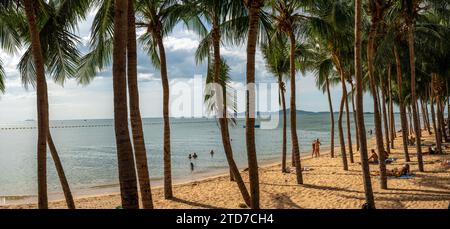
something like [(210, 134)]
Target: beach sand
[(326, 186)]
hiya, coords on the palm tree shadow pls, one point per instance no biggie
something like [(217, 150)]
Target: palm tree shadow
[(283, 201), (193, 204)]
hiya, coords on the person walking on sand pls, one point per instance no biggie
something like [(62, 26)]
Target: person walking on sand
[(317, 149)]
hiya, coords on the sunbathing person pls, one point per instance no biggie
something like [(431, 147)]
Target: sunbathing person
[(396, 172), (373, 159)]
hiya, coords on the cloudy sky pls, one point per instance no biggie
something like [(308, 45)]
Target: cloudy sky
[(73, 101)]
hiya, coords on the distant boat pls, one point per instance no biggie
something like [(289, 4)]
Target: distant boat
[(256, 126), (30, 120)]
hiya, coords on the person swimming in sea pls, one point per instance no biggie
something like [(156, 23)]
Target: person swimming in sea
[(190, 157), (194, 156)]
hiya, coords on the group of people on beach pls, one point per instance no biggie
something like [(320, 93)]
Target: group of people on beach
[(195, 156), (316, 148)]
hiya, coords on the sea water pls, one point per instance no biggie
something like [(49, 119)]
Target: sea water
[(87, 150)]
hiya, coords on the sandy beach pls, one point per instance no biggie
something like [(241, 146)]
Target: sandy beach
[(326, 186)]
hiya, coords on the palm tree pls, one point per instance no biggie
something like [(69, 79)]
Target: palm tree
[(254, 10), (135, 113), (159, 18), (276, 55), (97, 59), (127, 174), (42, 103), (325, 75), (288, 21), (359, 106), (217, 13), (58, 49), (377, 10)]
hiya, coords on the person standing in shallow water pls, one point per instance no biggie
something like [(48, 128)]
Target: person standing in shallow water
[(192, 167), (212, 153)]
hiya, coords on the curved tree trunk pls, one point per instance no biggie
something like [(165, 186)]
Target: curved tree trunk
[(341, 135), (283, 103), (140, 152), (295, 145), (360, 108), (254, 7), (42, 104), (403, 119), (61, 174), (413, 95), (223, 122), (127, 170), (376, 111), (330, 103)]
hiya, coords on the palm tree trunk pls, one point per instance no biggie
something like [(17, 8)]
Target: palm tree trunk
[(440, 114), (426, 121), (127, 171), (295, 145), (330, 103), (377, 117), (349, 133), (360, 108), (341, 135), (42, 104), (254, 11), (140, 151), (385, 119), (391, 109), (437, 132), (61, 174), (235, 174), (416, 104), (411, 129), (403, 119), (284, 144), (168, 193), (344, 96), (354, 115), (413, 95)]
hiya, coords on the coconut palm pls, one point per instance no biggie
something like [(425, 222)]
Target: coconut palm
[(52, 49), (359, 106), (127, 174), (97, 59), (276, 55), (288, 21), (217, 13), (159, 18), (326, 76)]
